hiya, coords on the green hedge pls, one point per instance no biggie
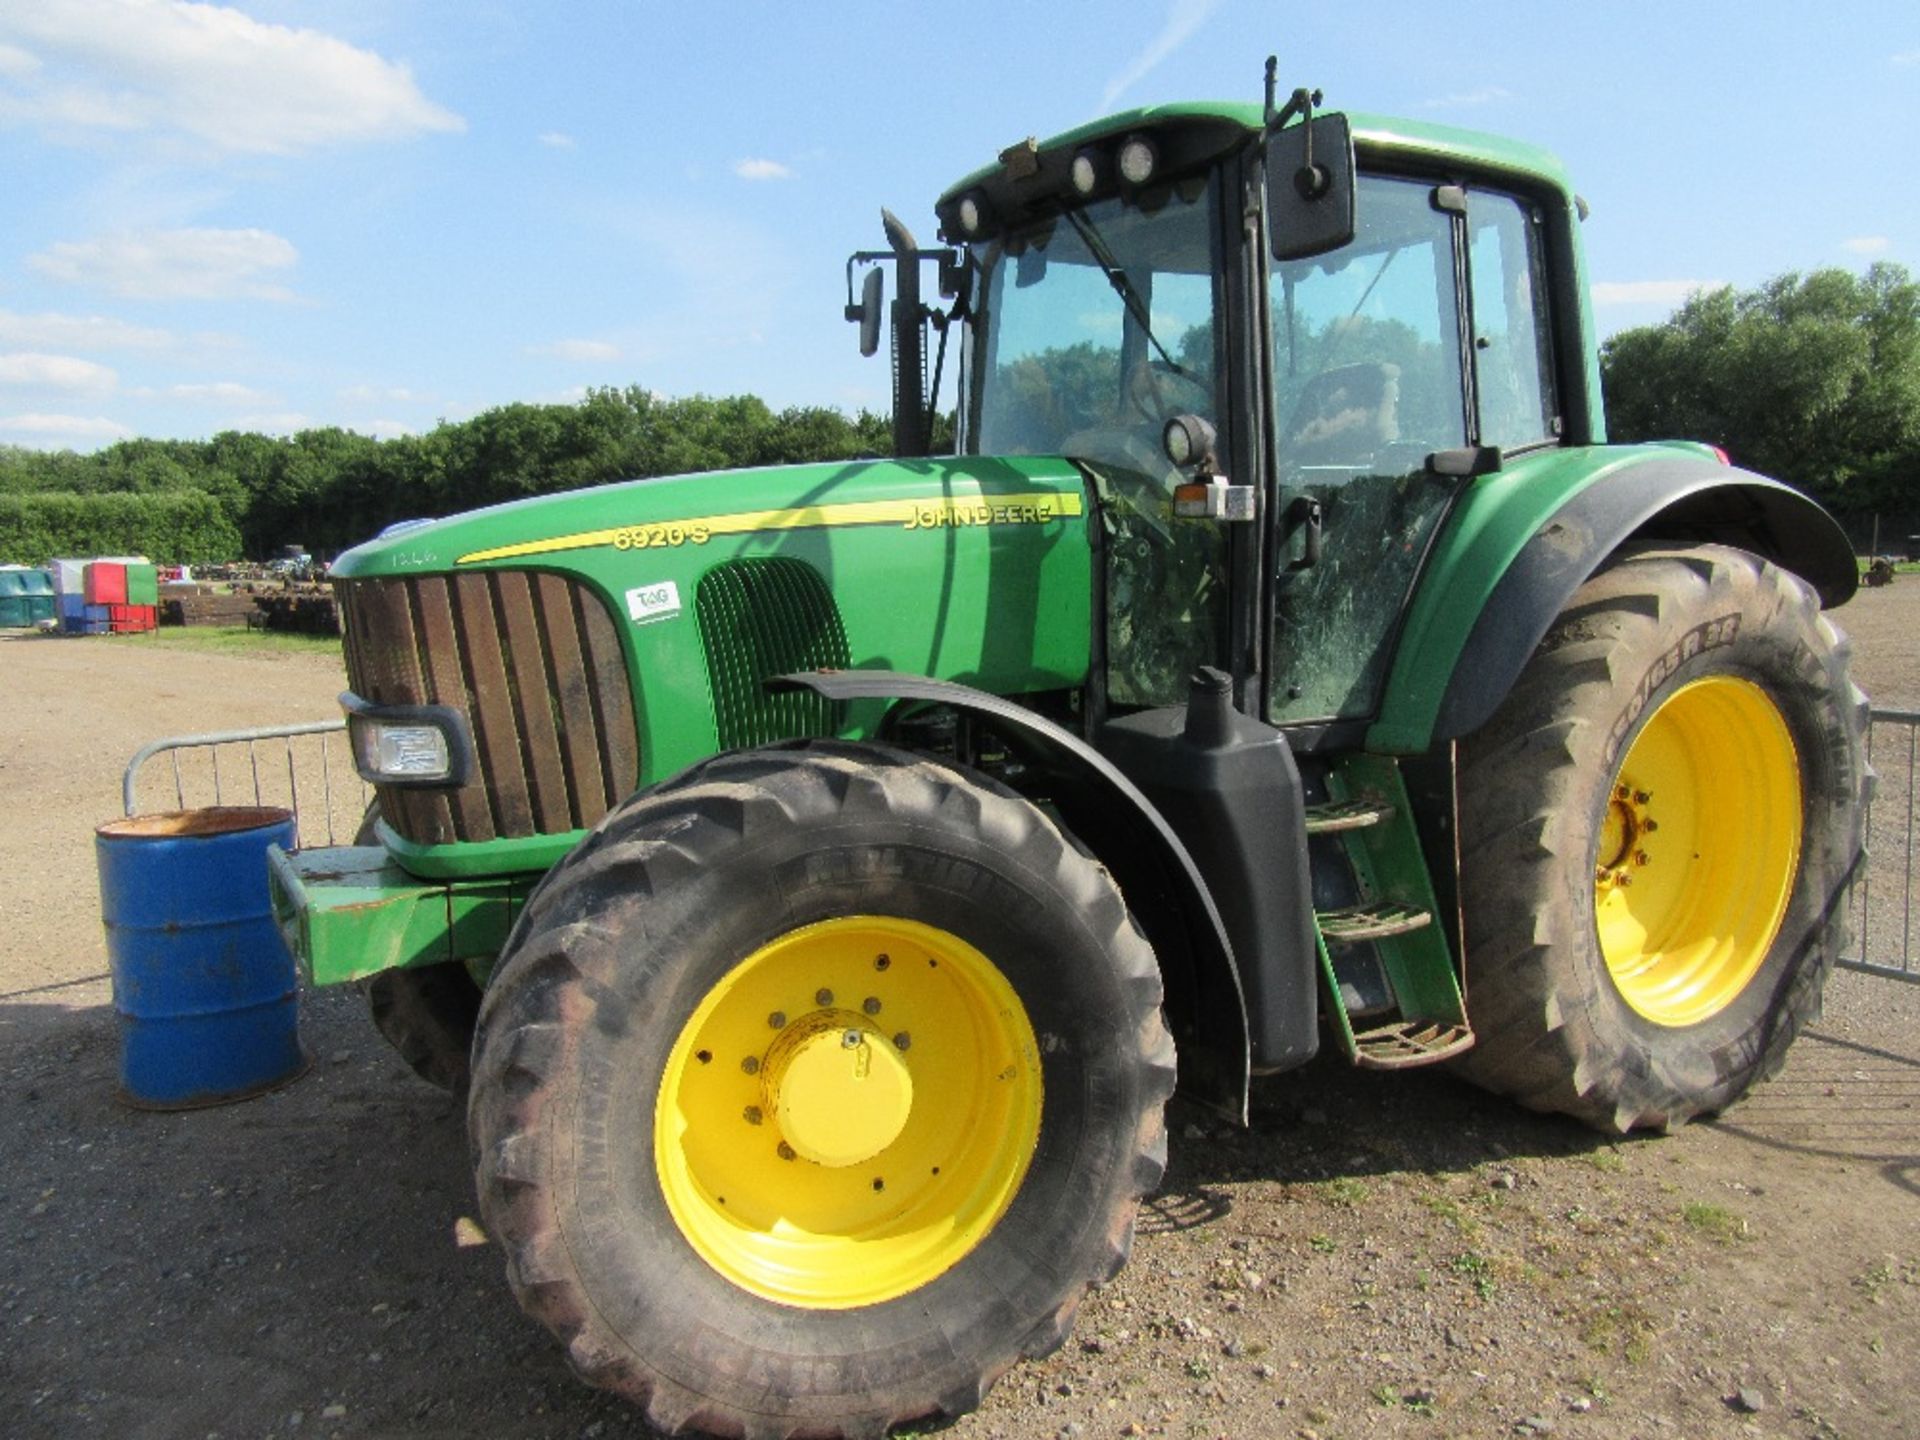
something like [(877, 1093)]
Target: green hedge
[(174, 527)]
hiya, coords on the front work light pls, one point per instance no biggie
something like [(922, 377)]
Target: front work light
[(1085, 172), (973, 215), (408, 744), (1138, 157)]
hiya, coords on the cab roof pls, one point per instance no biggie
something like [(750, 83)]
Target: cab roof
[(1376, 138)]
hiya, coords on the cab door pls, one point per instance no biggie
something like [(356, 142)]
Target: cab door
[(1425, 334)]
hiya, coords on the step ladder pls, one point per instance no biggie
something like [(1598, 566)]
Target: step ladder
[(1386, 964)]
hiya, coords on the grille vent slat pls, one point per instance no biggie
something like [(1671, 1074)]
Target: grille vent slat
[(762, 617), (534, 663)]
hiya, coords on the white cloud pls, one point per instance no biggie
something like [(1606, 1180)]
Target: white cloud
[(1470, 99), (15, 62), (1184, 19), (208, 72), (761, 170), (174, 264), (219, 392), (1649, 292), (1867, 245), (1907, 57), (361, 393), (385, 429), (284, 422), (78, 332), (557, 139), (587, 350), (55, 372), (64, 429)]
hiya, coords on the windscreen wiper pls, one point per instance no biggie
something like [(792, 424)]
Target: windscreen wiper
[(1123, 287)]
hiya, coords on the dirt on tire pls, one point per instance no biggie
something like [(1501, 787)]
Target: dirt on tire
[(1379, 1254)]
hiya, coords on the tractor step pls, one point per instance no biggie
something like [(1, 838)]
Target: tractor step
[(1384, 961), (1372, 922), (1333, 816), (1404, 1045)]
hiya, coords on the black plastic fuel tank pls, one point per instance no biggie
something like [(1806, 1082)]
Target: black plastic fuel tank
[(1228, 786)]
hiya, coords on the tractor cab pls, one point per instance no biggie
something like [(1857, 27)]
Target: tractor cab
[(1361, 331)]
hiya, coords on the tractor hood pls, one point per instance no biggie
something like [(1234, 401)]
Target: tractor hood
[(961, 568), (743, 510)]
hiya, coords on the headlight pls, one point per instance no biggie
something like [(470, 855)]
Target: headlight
[(403, 752), (424, 745)]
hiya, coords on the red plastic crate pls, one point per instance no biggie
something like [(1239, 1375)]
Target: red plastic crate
[(106, 582), (133, 619)]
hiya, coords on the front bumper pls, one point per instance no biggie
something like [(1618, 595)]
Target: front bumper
[(348, 912)]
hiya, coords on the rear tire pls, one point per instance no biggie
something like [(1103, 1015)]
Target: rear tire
[(1657, 829), (719, 1220)]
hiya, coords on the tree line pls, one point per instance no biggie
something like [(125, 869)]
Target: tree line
[(1812, 378), (327, 489)]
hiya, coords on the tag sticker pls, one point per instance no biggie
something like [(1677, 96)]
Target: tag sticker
[(648, 603)]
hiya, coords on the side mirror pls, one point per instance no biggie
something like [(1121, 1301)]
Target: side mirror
[(868, 311), (1310, 191)]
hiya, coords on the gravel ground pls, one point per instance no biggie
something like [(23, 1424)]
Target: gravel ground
[(1378, 1254)]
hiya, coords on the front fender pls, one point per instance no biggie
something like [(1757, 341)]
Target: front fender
[(1523, 540), (1108, 814)]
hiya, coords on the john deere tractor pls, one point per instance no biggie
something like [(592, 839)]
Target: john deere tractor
[(820, 878)]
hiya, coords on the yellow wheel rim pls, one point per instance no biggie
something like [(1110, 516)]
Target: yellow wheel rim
[(1699, 847), (848, 1112)]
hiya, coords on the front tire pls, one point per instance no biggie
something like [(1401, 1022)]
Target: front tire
[(1657, 830), (814, 1089)]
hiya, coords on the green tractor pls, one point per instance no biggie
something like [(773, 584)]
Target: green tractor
[(820, 878)]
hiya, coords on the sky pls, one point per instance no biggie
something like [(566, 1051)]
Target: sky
[(382, 214)]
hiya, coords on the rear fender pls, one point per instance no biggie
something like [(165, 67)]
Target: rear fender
[(1108, 814), (1653, 494)]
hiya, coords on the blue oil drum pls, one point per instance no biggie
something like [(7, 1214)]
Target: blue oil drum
[(202, 982)]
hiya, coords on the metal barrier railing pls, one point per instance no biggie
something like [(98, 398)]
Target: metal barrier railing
[(1880, 905), (318, 784)]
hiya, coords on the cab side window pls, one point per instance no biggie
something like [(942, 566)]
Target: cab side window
[(1512, 356)]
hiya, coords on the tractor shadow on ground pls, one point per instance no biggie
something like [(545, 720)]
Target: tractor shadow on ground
[(1328, 1120)]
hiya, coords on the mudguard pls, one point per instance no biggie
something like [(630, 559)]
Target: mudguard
[(1652, 494), (1108, 814)]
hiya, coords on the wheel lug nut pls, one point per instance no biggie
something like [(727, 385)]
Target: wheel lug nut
[(752, 1115), (881, 962), (850, 1040), (1640, 857), (751, 1064), (878, 1183), (1622, 792), (871, 1005), (823, 996), (785, 1151), (777, 1020), (1650, 826), (1641, 797), (902, 1040)]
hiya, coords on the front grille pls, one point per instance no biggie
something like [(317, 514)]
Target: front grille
[(533, 661)]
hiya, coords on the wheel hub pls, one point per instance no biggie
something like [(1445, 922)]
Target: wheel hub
[(838, 1090)]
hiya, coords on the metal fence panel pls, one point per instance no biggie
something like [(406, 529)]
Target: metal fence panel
[(305, 768), (1880, 906)]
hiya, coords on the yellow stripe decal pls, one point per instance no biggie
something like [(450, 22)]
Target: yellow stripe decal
[(1035, 508)]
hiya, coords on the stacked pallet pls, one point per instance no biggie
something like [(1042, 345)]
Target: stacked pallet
[(197, 607)]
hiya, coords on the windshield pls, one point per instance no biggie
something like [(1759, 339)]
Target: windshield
[(1091, 330), (1095, 328)]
